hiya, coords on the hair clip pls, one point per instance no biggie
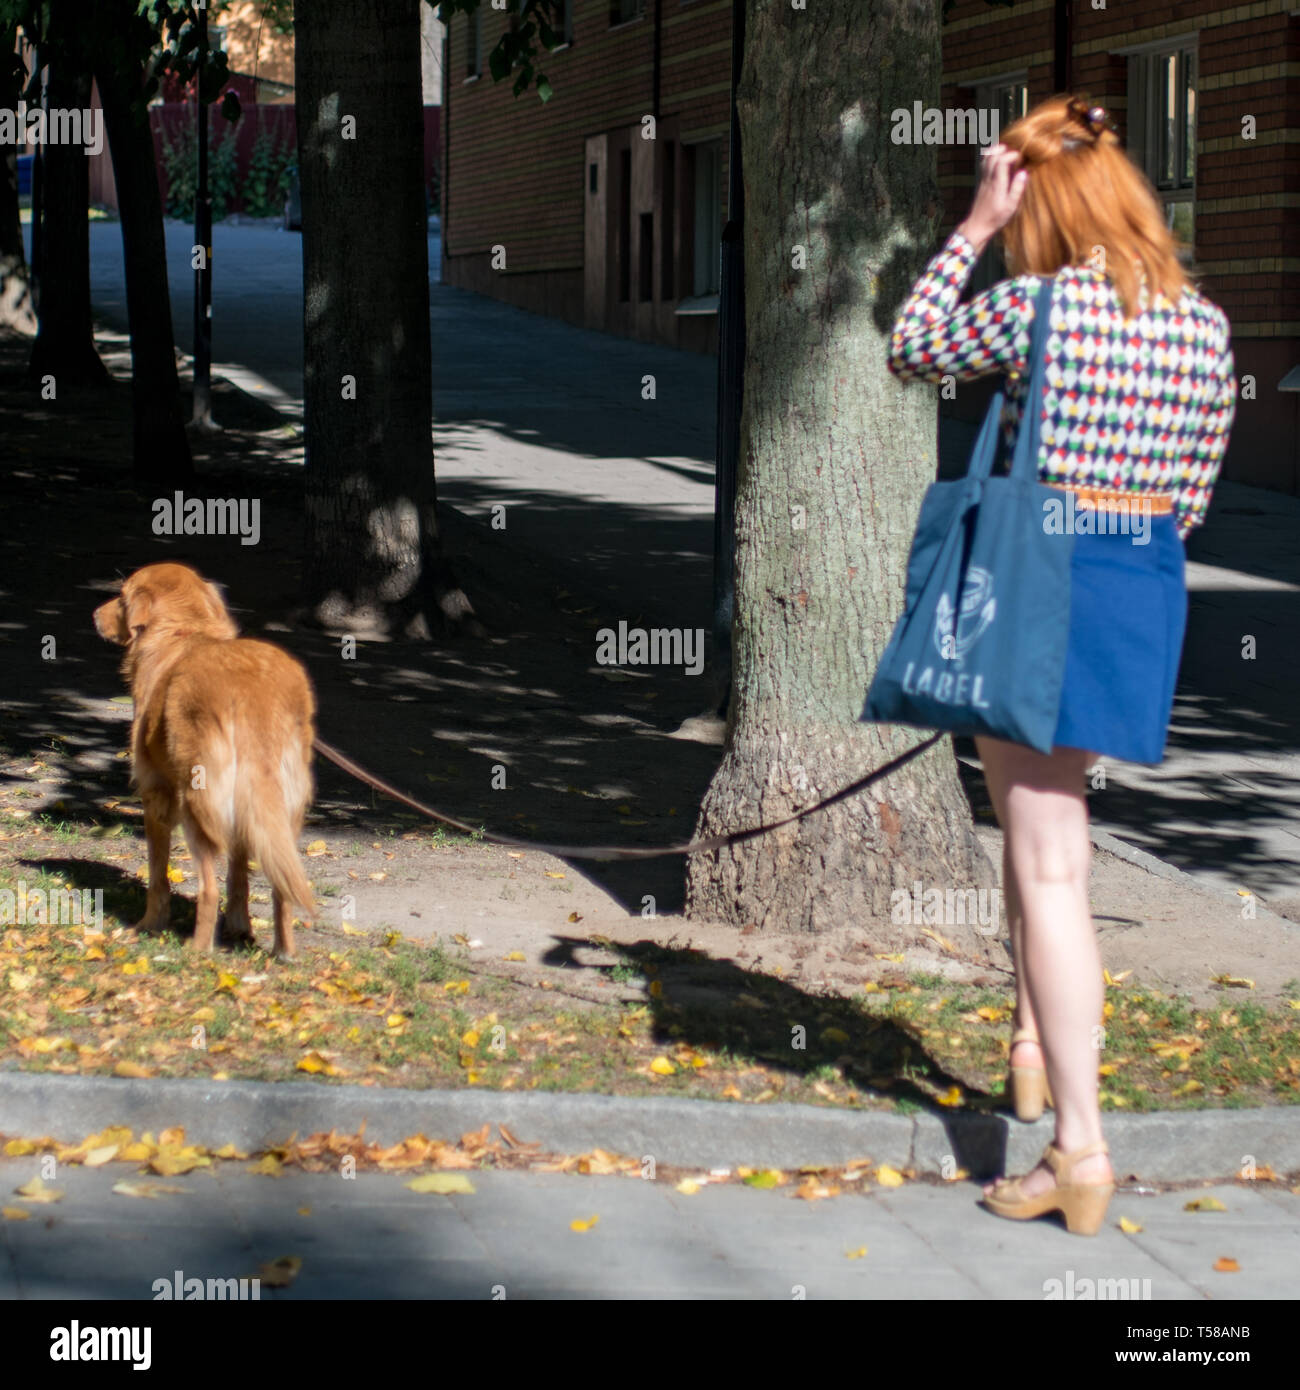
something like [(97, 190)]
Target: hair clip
[(1093, 117)]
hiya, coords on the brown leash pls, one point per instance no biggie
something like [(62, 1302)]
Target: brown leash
[(606, 852)]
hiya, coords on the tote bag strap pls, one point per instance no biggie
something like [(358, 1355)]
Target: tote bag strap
[(1024, 462), (988, 449)]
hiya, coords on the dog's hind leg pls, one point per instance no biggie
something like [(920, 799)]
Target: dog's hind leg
[(235, 925), (159, 817), (204, 849), (283, 925)]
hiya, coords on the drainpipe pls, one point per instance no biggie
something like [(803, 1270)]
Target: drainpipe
[(658, 59), (731, 380), (1063, 34), (202, 414)]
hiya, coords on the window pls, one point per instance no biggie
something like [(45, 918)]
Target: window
[(1010, 100), (625, 11), (668, 205), (474, 44), (1009, 97), (562, 22), (624, 226), (645, 285), (1162, 128), (708, 218)]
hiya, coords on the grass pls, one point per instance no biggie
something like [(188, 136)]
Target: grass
[(377, 1008)]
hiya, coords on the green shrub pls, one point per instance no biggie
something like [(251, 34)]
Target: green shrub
[(179, 161), (267, 180)]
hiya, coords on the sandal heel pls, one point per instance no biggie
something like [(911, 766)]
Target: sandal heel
[(1084, 1208), (1028, 1092)]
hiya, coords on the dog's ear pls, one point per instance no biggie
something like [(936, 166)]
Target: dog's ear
[(136, 612), (220, 613)]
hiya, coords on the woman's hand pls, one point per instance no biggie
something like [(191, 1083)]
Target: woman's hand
[(1001, 187)]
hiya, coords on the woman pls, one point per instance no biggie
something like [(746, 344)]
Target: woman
[(1139, 399)]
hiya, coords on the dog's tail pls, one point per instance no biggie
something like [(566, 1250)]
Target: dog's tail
[(270, 812)]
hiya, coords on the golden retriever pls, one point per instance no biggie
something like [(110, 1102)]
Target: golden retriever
[(221, 741)]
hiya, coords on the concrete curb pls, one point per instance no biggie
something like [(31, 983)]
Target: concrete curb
[(254, 1115)]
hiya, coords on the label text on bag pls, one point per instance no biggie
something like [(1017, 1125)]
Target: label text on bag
[(947, 689)]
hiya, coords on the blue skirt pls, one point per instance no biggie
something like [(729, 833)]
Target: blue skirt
[(1128, 614)]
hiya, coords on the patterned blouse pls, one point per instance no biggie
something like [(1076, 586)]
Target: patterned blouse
[(1144, 407)]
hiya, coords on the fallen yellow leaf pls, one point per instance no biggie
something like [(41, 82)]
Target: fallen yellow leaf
[(583, 1225), (444, 1183), (36, 1191), (888, 1177), (153, 1190), (314, 1062), (279, 1274)]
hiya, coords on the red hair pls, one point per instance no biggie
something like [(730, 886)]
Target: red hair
[(1083, 194)]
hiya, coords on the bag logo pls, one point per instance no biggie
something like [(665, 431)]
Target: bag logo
[(956, 634)]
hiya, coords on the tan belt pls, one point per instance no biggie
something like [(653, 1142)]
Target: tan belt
[(1108, 499)]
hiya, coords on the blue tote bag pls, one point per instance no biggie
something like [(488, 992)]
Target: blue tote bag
[(980, 648)]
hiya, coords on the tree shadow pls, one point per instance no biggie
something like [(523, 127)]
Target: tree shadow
[(724, 1008)]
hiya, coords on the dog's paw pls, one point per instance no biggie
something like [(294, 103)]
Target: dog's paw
[(151, 926), (235, 932)]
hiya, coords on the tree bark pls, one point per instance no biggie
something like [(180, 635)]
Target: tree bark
[(161, 450), (16, 310), (65, 342), (374, 559), (835, 456)]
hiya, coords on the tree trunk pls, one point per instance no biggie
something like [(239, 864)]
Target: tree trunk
[(16, 309), (373, 553), (835, 455), (161, 450), (65, 343)]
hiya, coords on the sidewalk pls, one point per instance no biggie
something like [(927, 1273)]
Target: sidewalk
[(549, 421), (371, 1237)]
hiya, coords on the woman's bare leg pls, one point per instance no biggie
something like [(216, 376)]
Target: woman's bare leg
[(1044, 817), (1023, 1054)]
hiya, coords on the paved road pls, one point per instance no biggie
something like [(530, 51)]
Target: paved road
[(371, 1237), (549, 420), (533, 414)]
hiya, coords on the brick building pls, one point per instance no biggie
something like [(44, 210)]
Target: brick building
[(596, 224), (565, 209)]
